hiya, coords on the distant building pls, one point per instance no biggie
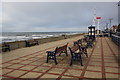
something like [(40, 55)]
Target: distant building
[(118, 28), (114, 28), (119, 12)]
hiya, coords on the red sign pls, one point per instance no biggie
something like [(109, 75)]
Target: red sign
[(98, 17)]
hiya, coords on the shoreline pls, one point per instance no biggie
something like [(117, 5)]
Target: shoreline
[(22, 36), (21, 44)]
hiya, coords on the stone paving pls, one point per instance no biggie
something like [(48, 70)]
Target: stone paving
[(102, 63)]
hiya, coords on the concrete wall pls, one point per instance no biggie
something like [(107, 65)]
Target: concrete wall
[(21, 44)]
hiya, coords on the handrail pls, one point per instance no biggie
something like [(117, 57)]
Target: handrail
[(116, 36), (116, 39)]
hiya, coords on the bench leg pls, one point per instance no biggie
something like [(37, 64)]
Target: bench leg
[(71, 62), (81, 61), (66, 53), (86, 54), (37, 43), (3, 50), (47, 58), (55, 60), (9, 49)]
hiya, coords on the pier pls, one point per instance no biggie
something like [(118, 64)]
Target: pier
[(30, 62)]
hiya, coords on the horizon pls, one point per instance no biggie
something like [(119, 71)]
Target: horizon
[(56, 31)]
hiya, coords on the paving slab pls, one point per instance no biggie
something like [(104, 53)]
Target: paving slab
[(31, 62)]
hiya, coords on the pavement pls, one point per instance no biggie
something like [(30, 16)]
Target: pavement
[(30, 62)]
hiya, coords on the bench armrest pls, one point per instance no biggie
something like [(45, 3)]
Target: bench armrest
[(50, 51)]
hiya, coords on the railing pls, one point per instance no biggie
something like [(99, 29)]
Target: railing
[(116, 39)]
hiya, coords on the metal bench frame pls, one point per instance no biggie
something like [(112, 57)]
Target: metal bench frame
[(31, 43), (5, 47), (51, 55), (75, 56)]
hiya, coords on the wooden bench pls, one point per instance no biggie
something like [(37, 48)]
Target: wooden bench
[(51, 55), (90, 43), (78, 42), (5, 47), (31, 43), (75, 54), (83, 48)]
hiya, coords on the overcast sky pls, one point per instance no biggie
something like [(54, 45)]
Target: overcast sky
[(55, 16)]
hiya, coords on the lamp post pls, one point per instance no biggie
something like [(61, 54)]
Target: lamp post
[(91, 32), (110, 21), (94, 17), (119, 12), (98, 29)]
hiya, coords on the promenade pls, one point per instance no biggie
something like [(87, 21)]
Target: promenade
[(30, 62)]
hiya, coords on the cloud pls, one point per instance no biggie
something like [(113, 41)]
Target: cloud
[(55, 16)]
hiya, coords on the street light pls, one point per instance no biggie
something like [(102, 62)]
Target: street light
[(110, 21)]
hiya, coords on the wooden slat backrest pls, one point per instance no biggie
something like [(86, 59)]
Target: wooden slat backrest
[(61, 49), (5, 45), (31, 41), (74, 48)]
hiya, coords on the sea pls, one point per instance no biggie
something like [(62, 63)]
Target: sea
[(21, 36)]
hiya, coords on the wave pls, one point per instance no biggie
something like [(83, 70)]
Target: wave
[(21, 36)]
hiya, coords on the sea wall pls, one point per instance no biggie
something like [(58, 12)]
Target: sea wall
[(22, 44)]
